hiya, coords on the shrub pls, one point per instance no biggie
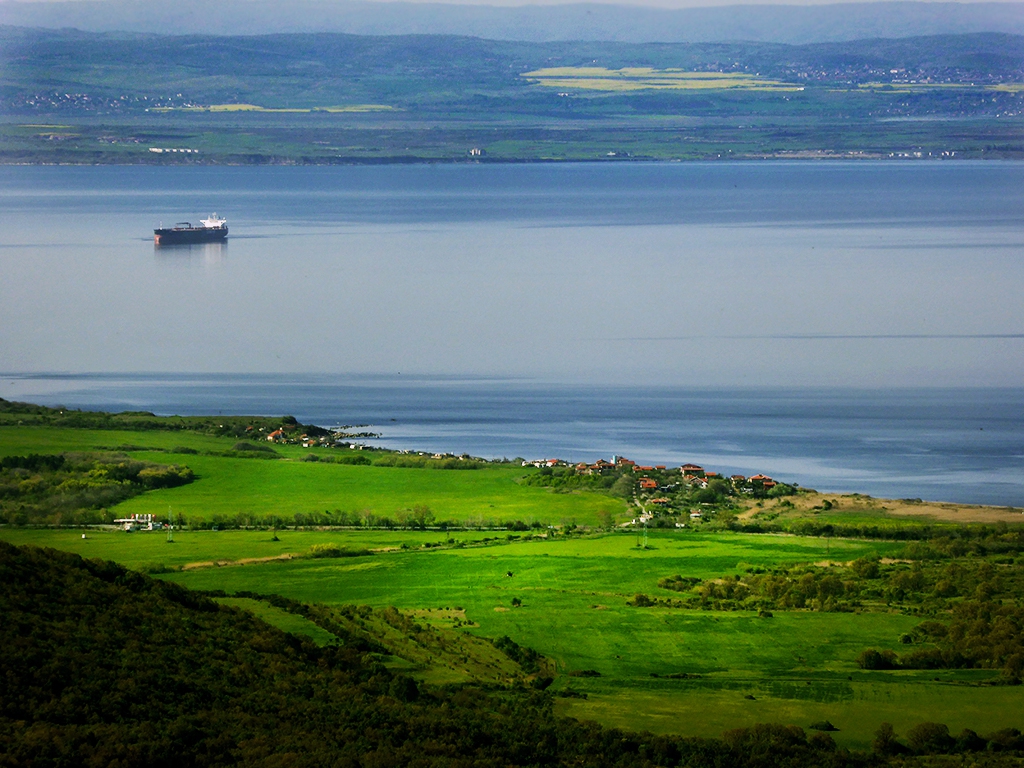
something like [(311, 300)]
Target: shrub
[(969, 741), (885, 742), (822, 742), (252, 451), (330, 549), (866, 568), (358, 460), (242, 445), (822, 725), (404, 688), (1006, 739), (325, 550), (930, 738), (165, 477), (874, 659), (527, 658)]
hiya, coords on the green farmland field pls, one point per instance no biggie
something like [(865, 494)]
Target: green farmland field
[(799, 667), (662, 667), (796, 667), (227, 487)]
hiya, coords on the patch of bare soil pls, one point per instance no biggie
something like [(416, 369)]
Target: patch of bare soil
[(939, 511), (243, 561)]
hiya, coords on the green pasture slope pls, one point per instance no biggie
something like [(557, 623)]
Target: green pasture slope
[(799, 667), (150, 552), (664, 669), (796, 667)]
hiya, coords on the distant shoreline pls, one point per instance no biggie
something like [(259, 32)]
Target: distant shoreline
[(796, 157)]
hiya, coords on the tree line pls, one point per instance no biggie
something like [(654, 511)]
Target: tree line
[(77, 488), (969, 588)]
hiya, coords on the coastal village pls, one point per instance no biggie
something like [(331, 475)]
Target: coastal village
[(688, 491), (663, 496)]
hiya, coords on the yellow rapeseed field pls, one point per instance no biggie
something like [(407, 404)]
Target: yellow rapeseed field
[(647, 78)]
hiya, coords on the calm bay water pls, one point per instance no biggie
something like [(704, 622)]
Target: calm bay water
[(849, 326), (839, 274)]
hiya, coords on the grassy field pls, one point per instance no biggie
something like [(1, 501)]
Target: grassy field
[(855, 707), (149, 551), (281, 619), (660, 668), (228, 486), (584, 126), (798, 666)]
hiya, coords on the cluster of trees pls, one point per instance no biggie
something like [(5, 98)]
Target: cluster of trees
[(527, 658), (425, 462), (982, 635), (77, 488), (823, 589), (567, 479), (419, 516), (935, 739), (975, 604), (331, 549), (354, 459), (237, 426), (927, 586), (945, 540)]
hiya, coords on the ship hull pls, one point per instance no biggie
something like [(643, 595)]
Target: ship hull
[(183, 236)]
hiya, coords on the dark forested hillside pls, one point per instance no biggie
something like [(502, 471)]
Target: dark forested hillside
[(121, 71), (103, 666)]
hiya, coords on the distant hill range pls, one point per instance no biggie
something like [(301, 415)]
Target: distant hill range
[(584, 21)]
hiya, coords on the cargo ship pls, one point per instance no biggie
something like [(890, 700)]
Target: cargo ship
[(213, 230)]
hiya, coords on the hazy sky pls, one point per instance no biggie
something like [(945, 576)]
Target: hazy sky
[(666, 3), (647, 3)]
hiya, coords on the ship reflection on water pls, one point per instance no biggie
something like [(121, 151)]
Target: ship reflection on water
[(209, 253)]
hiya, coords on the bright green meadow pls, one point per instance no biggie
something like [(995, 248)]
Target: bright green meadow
[(660, 668), (256, 488), (796, 667)]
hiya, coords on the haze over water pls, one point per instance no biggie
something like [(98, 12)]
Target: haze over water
[(615, 281)]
